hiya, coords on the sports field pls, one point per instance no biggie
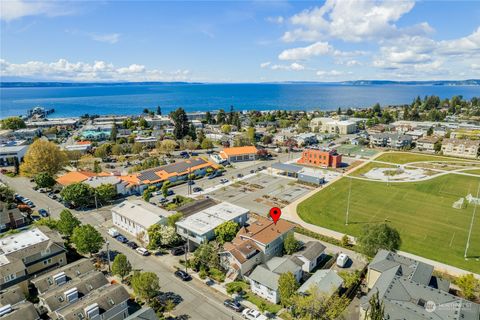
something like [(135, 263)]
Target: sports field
[(421, 211)]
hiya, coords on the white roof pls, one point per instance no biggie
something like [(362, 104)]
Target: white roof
[(97, 181), (141, 212), (22, 240), (12, 148), (210, 218)]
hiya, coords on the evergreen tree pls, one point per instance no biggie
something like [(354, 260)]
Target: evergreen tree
[(159, 111), (181, 124), (192, 132)]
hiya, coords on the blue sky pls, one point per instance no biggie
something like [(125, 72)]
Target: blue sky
[(239, 41)]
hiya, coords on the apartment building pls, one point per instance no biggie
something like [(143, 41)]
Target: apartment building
[(335, 126), (427, 144), (13, 305), (321, 157), (27, 253), (462, 148)]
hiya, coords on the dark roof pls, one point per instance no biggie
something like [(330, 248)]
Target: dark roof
[(312, 250), (182, 166), (286, 167)]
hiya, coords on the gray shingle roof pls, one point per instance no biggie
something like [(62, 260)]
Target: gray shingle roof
[(269, 273), (324, 281), (312, 250)]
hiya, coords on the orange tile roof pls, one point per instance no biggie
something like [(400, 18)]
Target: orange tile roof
[(131, 179), (84, 142), (74, 177), (234, 151)]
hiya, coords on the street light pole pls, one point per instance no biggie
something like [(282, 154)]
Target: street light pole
[(348, 201), (471, 223), (108, 257), (187, 247)]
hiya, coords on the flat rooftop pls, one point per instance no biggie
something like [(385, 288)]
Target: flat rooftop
[(141, 212), (210, 218), (22, 240)]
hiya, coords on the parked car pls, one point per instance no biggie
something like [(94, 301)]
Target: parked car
[(121, 239), (177, 251), (253, 315), (183, 275), (170, 193), (143, 251), (43, 213), (112, 232), (239, 175), (342, 260), (132, 244), (190, 182), (223, 180), (252, 171), (162, 200), (197, 189), (234, 305)]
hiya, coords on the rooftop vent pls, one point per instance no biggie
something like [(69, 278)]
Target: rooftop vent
[(92, 311), (71, 295), (5, 309), (60, 278)]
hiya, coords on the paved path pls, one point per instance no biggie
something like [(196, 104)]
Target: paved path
[(290, 213)]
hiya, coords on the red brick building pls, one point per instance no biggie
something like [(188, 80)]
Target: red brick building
[(321, 157)]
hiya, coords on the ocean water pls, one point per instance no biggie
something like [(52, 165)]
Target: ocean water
[(132, 99)]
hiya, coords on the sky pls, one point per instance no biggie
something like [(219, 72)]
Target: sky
[(239, 41)]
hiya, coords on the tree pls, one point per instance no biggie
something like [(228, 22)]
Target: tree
[(13, 123), (226, 128), (207, 144), (205, 256), (117, 149), (6, 194), (317, 306), (106, 192), (67, 223), (159, 111), (379, 236), (303, 125), (137, 148), (377, 109), (114, 133), (142, 123), (44, 180), (145, 285), (226, 231), (166, 146), (165, 189), (181, 124), (43, 156), (267, 139), (192, 132), (469, 285), (430, 131), (103, 151), (290, 244), (250, 135), (161, 236), (121, 266), (87, 239), (172, 220), (208, 117), (221, 116), (376, 309), (96, 166), (80, 194), (287, 286)]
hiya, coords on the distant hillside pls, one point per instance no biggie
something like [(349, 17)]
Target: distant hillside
[(468, 82)]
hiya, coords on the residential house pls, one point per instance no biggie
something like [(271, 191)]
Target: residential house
[(321, 156), (55, 278), (11, 218), (121, 187), (235, 154), (427, 144), (324, 281), (408, 290), (255, 243), (462, 148), (391, 140), (137, 216), (199, 228), (305, 139), (264, 278), (311, 255), (29, 252), (13, 305), (106, 303), (145, 313)]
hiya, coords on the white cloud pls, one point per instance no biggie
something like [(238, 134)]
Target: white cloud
[(106, 37), (330, 73), (288, 67), (277, 20), (301, 53), (352, 20), (16, 9), (80, 71)]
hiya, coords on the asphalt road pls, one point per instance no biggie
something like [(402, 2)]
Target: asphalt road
[(199, 301)]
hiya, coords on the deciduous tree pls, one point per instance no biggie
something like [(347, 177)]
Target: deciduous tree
[(290, 244), (12, 123), (43, 156), (379, 236), (44, 180), (469, 285), (67, 223), (121, 266), (80, 194), (145, 285), (226, 231), (287, 286), (87, 239)]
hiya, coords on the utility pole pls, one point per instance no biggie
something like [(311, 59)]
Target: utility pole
[(348, 201), (471, 223), (187, 247), (108, 257)]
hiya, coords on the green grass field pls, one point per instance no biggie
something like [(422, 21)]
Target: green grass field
[(404, 157), (421, 211)]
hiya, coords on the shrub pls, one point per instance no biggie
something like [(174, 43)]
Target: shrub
[(216, 274)]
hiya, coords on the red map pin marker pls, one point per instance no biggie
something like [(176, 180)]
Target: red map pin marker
[(275, 213)]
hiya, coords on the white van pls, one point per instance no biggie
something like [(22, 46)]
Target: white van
[(113, 232), (342, 260), (143, 251)]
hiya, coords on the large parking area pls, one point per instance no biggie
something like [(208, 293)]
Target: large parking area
[(261, 192)]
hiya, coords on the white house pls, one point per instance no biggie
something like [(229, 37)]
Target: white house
[(120, 186), (136, 216), (9, 152), (311, 254), (264, 279)]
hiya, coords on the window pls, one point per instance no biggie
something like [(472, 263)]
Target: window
[(48, 261), (9, 277)]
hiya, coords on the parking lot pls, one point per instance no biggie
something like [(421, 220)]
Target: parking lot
[(261, 192)]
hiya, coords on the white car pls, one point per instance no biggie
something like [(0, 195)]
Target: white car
[(342, 260), (253, 315), (143, 251), (113, 232)]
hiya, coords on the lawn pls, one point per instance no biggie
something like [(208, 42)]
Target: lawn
[(406, 157), (421, 211)]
